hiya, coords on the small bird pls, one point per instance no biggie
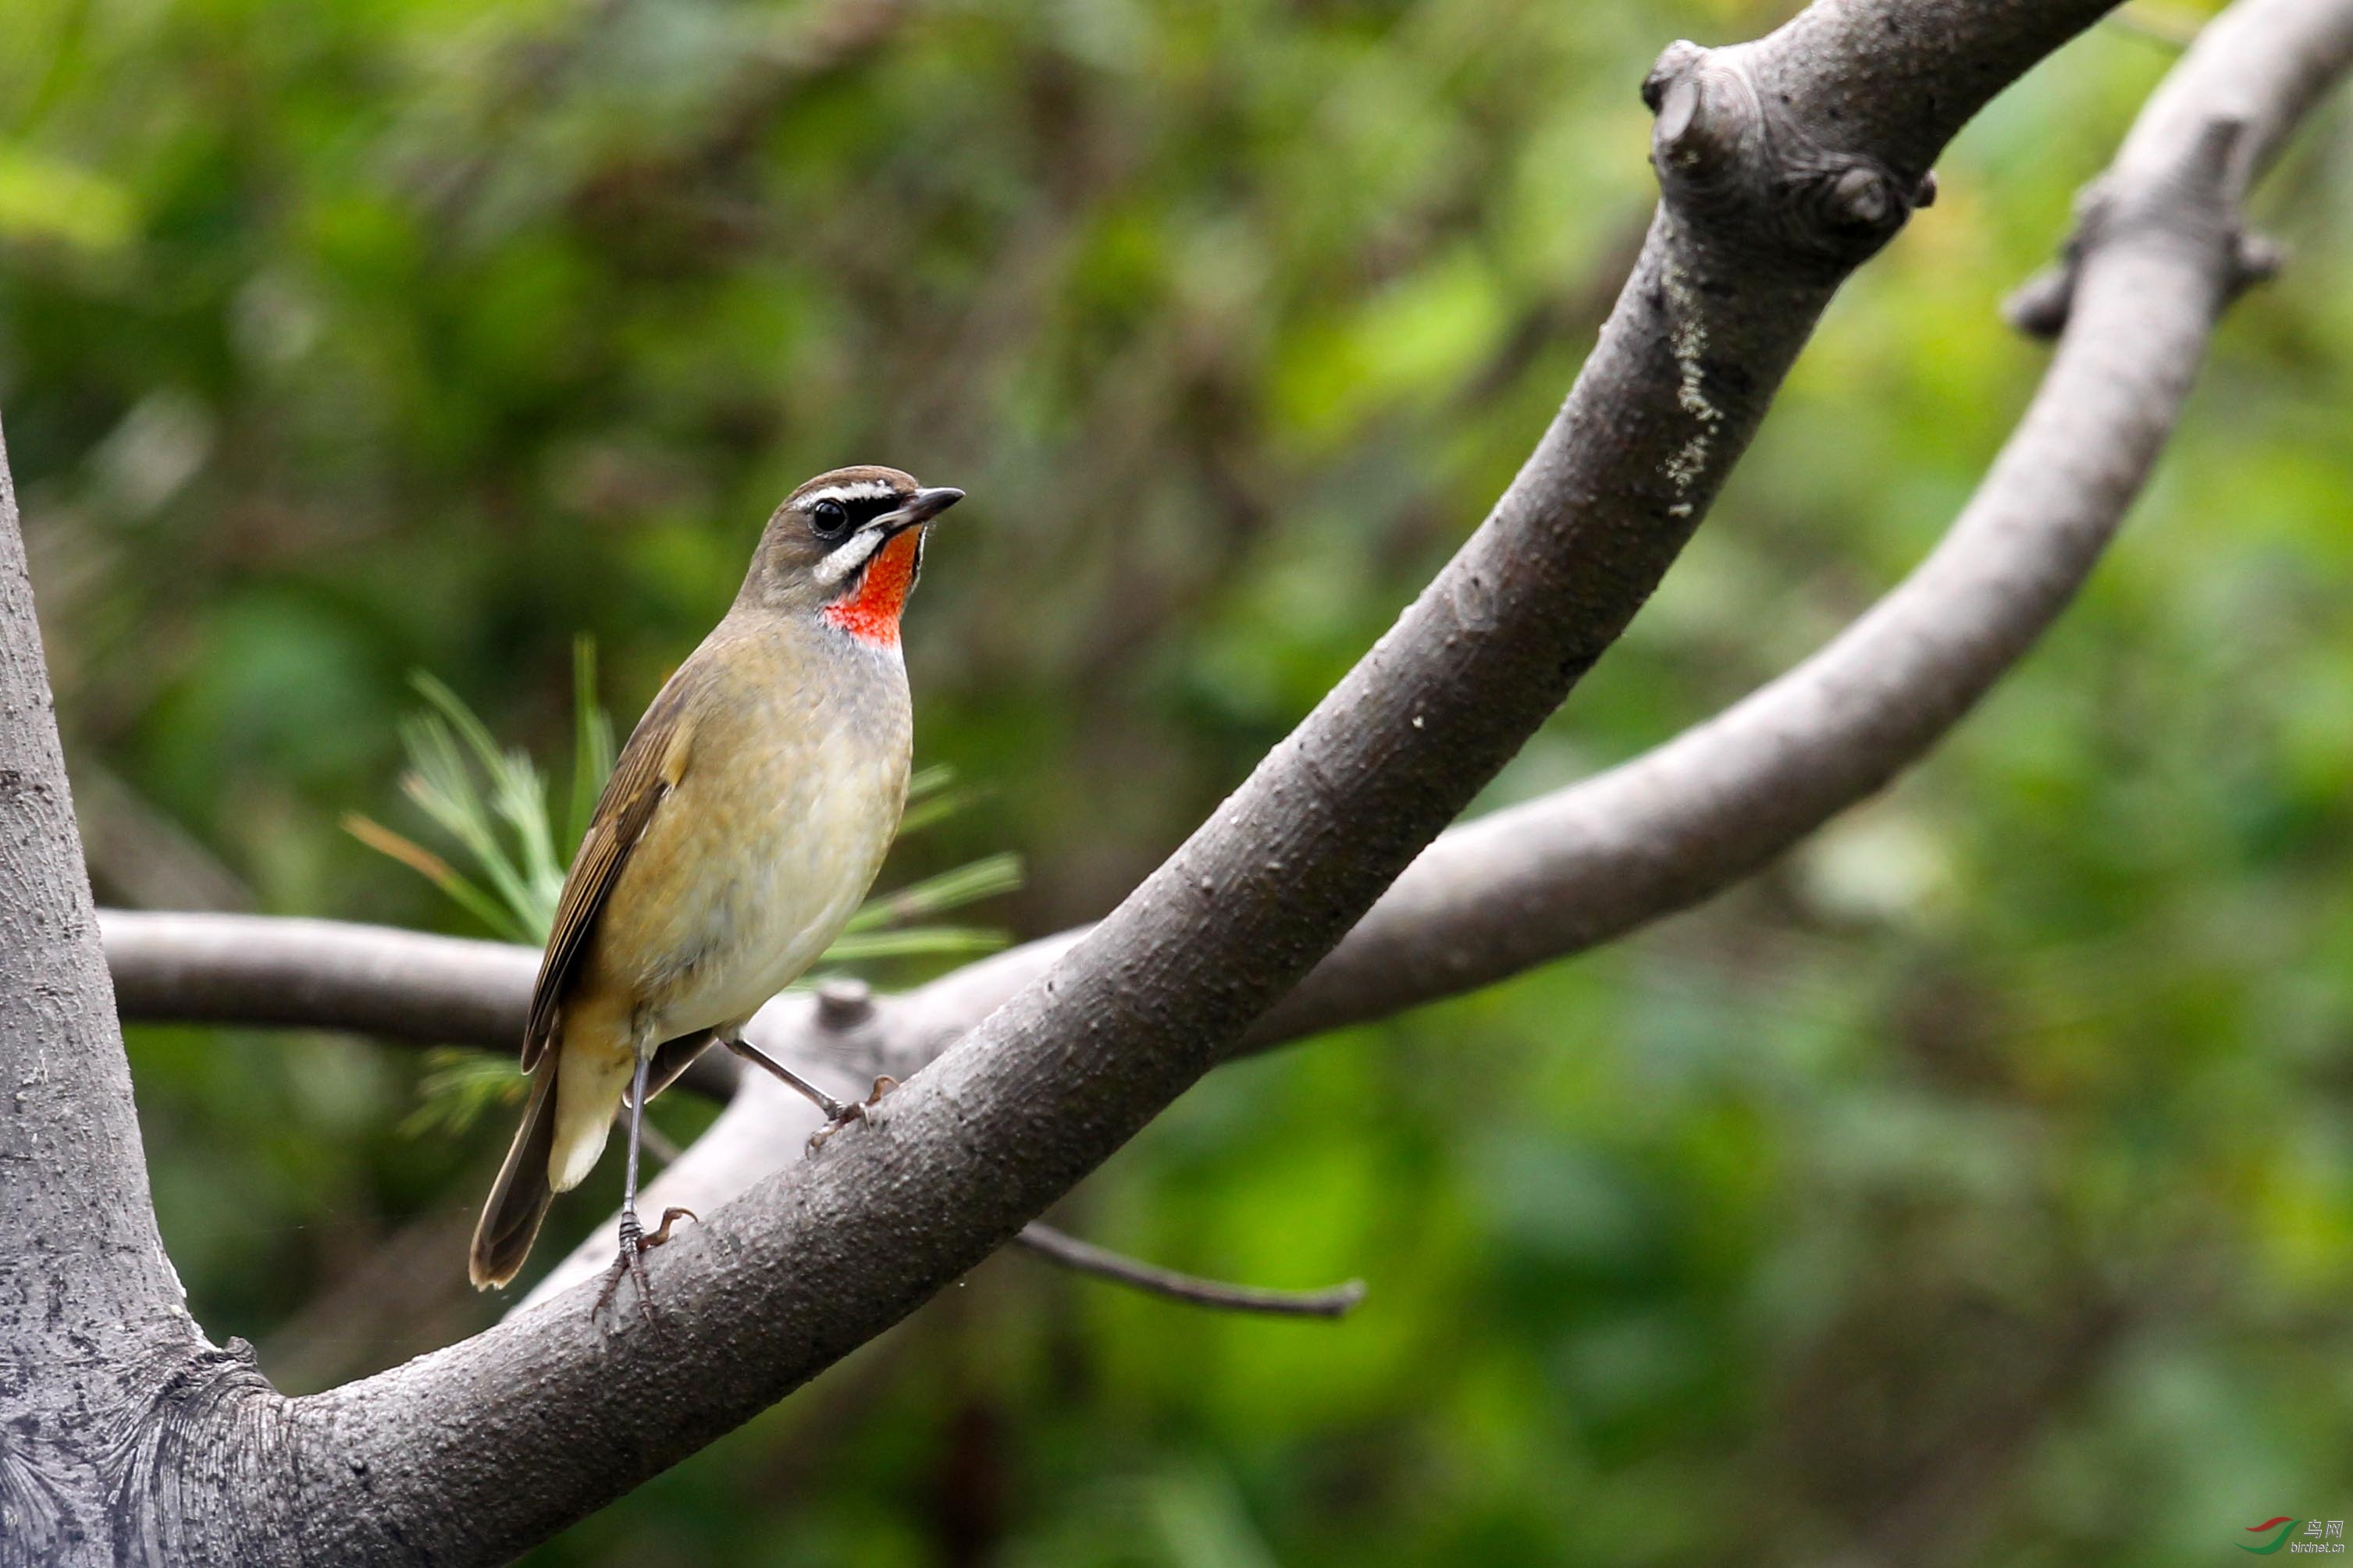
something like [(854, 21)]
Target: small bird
[(744, 821)]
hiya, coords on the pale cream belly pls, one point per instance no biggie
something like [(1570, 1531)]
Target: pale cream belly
[(789, 797), (756, 871)]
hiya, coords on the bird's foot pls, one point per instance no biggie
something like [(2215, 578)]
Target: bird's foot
[(631, 1263), (839, 1115)]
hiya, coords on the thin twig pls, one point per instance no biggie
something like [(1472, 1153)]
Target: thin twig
[(1087, 1258)]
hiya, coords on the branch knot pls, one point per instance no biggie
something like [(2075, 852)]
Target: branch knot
[(1734, 161), (843, 1005), (2191, 200)]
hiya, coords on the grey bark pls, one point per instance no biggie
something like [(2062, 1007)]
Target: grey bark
[(1783, 163), (331, 975), (110, 1399)]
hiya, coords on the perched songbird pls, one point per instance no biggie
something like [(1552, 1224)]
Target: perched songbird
[(743, 822)]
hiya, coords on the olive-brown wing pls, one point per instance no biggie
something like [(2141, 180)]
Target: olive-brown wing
[(649, 768)]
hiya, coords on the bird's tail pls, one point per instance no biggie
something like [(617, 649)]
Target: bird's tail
[(520, 1197)]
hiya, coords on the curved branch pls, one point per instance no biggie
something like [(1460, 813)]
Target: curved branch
[(1784, 164), (1533, 882)]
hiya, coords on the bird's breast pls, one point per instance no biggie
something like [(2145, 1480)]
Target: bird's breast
[(770, 840)]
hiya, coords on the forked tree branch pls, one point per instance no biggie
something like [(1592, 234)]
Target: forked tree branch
[(1784, 164), (1589, 863), (1528, 884)]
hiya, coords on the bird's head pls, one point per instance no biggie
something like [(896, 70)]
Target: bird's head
[(847, 547)]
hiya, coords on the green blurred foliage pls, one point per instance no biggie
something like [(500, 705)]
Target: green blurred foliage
[(1976, 1185)]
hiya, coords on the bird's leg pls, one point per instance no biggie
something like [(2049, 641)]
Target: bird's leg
[(838, 1113), (634, 1239)]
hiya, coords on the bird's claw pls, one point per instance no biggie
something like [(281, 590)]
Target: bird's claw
[(631, 1263), (839, 1115)]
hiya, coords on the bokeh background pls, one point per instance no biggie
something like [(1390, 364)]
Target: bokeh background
[(1974, 1187)]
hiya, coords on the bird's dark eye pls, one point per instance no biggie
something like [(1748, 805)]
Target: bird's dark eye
[(830, 518)]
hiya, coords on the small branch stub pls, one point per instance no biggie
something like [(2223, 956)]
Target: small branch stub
[(2192, 200), (2255, 259), (844, 1005), (1742, 171)]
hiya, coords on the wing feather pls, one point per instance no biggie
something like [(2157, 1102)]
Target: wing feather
[(649, 768)]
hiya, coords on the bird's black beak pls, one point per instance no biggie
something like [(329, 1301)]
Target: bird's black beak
[(921, 507)]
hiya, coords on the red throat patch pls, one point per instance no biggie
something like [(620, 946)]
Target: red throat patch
[(871, 611)]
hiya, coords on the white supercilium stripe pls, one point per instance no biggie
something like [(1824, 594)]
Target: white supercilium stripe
[(858, 490)]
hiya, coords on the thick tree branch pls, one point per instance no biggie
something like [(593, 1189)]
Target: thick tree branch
[(1518, 889), (474, 1452), (93, 1322), (1589, 863)]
